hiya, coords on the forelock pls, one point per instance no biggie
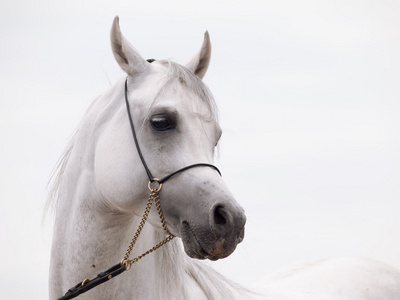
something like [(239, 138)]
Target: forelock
[(190, 81)]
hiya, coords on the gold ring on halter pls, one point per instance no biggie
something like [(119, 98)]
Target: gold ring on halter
[(155, 189), (125, 262)]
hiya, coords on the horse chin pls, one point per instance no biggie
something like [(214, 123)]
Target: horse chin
[(195, 249)]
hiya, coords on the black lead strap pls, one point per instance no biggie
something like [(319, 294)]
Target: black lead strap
[(119, 268), (87, 284)]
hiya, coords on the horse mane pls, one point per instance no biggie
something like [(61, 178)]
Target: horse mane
[(57, 176), (56, 179)]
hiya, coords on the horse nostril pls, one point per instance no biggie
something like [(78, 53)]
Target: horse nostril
[(220, 216), (222, 220)]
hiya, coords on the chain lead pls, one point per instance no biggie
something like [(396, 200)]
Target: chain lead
[(154, 197)]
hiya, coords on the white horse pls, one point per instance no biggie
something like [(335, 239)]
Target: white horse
[(101, 191)]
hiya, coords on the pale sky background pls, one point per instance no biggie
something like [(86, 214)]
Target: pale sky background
[(309, 101)]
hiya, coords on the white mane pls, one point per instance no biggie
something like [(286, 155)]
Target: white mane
[(57, 178)]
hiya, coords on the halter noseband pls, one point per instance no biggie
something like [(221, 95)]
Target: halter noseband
[(126, 263)]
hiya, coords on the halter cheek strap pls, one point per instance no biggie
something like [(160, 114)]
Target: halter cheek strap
[(149, 175)]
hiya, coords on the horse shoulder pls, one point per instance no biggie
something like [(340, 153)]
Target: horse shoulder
[(339, 279)]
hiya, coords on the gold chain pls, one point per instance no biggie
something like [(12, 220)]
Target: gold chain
[(154, 196)]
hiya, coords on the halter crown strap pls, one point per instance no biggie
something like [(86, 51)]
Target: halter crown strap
[(149, 175)]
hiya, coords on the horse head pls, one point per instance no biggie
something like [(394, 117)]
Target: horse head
[(175, 119)]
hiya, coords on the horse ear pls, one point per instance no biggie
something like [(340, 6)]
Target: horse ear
[(126, 55), (199, 63)]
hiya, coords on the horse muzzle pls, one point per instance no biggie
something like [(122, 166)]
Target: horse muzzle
[(217, 239)]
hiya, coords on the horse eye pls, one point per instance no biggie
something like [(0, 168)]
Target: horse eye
[(162, 122)]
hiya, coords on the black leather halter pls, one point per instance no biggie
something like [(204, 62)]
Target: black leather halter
[(119, 268)]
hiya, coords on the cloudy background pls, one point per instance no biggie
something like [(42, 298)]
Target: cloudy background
[(308, 93)]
